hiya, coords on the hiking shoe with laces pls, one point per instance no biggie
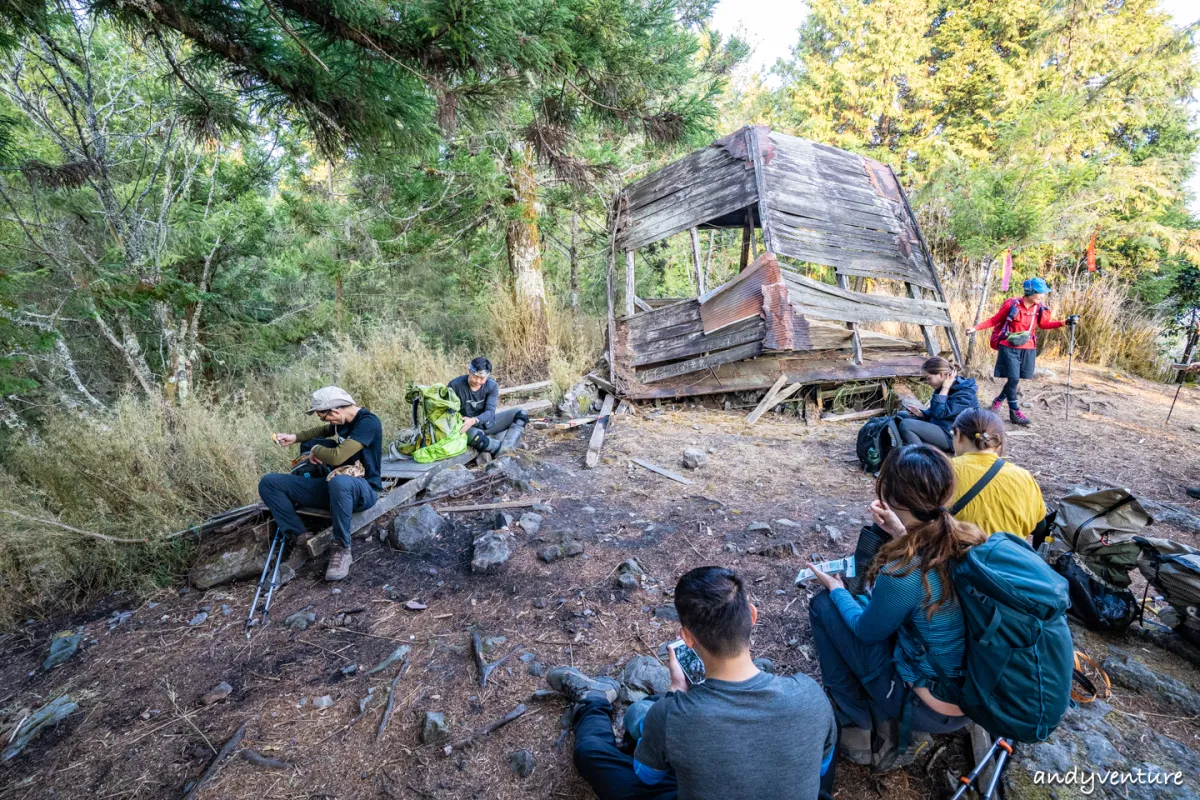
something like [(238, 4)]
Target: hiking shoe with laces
[(1017, 417), (339, 564), (997, 404), (579, 688)]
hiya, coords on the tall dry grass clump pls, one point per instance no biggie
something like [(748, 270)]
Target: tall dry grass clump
[(525, 352)]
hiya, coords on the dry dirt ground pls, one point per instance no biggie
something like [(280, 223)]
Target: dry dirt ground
[(141, 731)]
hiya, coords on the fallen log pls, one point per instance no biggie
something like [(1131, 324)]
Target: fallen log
[(485, 731), (391, 701), (593, 453), (259, 760), (486, 669), (488, 506), (219, 759), (666, 473), (526, 388)]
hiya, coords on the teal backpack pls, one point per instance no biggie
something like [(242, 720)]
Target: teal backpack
[(1020, 658)]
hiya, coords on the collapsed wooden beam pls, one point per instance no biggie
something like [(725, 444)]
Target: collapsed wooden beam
[(772, 399), (597, 441)]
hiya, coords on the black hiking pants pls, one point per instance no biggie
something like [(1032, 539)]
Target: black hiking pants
[(918, 431), (282, 493), (482, 438), (607, 768)]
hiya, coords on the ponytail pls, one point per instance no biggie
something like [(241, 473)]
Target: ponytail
[(981, 428)]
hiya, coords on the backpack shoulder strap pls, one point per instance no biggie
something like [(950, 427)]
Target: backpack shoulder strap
[(979, 486)]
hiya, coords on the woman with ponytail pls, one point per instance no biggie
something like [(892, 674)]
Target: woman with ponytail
[(1011, 500), (889, 657), (952, 395)]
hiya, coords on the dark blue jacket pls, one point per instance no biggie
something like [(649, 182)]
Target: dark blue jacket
[(943, 411)]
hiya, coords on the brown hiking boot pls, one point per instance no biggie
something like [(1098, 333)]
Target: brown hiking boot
[(339, 564), (299, 553)]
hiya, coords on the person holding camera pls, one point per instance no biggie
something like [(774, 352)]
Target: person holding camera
[(729, 728), (952, 395), (882, 659), (1015, 341)]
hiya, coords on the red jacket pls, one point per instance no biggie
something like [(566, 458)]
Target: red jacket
[(1021, 321)]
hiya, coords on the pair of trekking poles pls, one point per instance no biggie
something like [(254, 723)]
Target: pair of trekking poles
[(965, 782), (271, 567)]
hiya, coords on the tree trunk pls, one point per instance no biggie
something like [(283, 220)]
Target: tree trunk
[(524, 244), (337, 301), (574, 255)]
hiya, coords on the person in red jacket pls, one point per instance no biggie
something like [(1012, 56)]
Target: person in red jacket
[(1018, 322)]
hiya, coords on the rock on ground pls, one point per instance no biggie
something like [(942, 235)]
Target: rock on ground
[(522, 762), (1131, 674), (694, 458), (415, 529), (62, 646), (642, 677), (578, 400), (449, 479), (531, 523), (492, 550), (434, 729), (217, 693)]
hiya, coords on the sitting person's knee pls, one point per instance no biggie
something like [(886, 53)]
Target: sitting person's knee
[(269, 481), (819, 606)]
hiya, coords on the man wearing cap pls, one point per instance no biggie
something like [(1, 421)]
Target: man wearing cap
[(479, 396), (1015, 342), (351, 435)]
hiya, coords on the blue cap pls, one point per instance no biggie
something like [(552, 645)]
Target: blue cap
[(1036, 286)]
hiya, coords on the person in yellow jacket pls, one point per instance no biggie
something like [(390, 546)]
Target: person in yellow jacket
[(1012, 501)]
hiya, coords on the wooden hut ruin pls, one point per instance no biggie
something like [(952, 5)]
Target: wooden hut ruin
[(814, 205)]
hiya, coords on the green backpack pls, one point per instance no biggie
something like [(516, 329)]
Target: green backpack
[(438, 422)]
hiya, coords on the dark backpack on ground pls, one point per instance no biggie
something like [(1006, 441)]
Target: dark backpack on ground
[(1174, 569), (1016, 680), (876, 438)]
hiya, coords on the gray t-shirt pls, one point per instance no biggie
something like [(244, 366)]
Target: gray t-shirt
[(765, 738)]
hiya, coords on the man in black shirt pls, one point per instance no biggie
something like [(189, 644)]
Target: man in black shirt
[(479, 396), (349, 441)]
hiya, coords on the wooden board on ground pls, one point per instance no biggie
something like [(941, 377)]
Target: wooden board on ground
[(531, 406), (593, 453), (855, 416), (408, 469), (666, 473), (488, 506)]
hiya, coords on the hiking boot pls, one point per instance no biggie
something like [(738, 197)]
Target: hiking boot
[(997, 404), (579, 688), (339, 564), (1017, 417), (1194, 493), (854, 745), (299, 553)]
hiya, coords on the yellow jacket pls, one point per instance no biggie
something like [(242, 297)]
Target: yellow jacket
[(1011, 503)]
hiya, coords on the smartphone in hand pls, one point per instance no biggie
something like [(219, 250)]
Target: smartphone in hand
[(689, 662)]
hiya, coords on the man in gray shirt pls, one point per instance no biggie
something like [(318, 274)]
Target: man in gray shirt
[(739, 733)]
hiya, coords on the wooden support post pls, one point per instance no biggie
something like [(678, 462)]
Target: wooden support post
[(983, 297), (855, 342), (762, 407), (931, 343), (593, 454), (697, 265), (811, 414), (754, 147), (770, 402), (612, 319), (630, 289), (747, 235)]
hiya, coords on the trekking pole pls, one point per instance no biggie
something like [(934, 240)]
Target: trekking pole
[(966, 780), (1071, 320), (1005, 752), (272, 556)]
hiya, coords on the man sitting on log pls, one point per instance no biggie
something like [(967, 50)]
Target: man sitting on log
[(479, 395), (345, 455), (736, 731)]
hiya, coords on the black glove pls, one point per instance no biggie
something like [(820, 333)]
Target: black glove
[(1073, 320)]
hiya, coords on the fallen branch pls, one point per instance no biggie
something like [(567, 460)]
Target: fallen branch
[(666, 473), (489, 506), (56, 524), (214, 766), (259, 760), (485, 731), (486, 669), (387, 710)]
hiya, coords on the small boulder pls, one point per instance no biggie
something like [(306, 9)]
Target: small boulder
[(765, 665), (787, 523), (415, 529), (217, 693), (1045, 373), (531, 523), (542, 508), (834, 533), (642, 677), (781, 550), (300, 620), (510, 468), (760, 527), (63, 645), (694, 458), (552, 553), (324, 701), (199, 619), (522, 762), (536, 668), (449, 479), (492, 550), (571, 549), (502, 521), (434, 729), (627, 582), (667, 612)]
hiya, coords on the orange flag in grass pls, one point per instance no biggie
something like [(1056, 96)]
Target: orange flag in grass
[(1006, 276), (1091, 253)]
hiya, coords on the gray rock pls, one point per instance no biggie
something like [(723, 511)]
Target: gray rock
[(527, 657), (492, 550), (759, 527), (536, 668), (1044, 372), (510, 468), (571, 549), (694, 458), (1171, 691), (542, 508), (642, 677), (415, 529), (449, 479), (578, 400), (781, 550), (502, 521), (300, 620), (1100, 752), (765, 665), (324, 701), (522, 762), (787, 523), (834, 533), (531, 523), (627, 582), (62, 647), (199, 619), (667, 612), (631, 566), (588, 510), (1048, 757), (434, 729), (217, 693)]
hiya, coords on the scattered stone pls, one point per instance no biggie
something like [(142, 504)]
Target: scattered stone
[(511, 469), (1172, 692), (578, 400), (217, 694), (413, 605), (118, 618), (568, 548), (531, 523), (588, 510), (199, 619), (491, 552), (542, 508), (834, 533), (434, 729), (539, 602), (415, 529), (225, 609), (627, 582), (63, 645), (781, 550), (642, 677), (502, 521), (759, 527), (397, 654), (765, 665), (300, 620), (536, 668), (28, 729), (527, 657), (449, 479), (492, 642), (1045, 373), (632, 567), (787, 523), (667, 612), (694, 458), (573, 549), (324, 701), (730, 547), (349, 670), (522, 762)]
